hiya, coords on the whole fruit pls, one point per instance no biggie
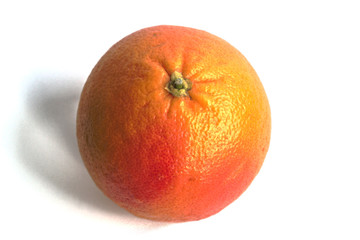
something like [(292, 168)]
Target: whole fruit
[(173, 124)]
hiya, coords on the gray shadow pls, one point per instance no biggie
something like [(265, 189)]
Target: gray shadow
[(48, 148)]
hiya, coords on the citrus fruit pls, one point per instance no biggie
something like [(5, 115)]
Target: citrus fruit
[(173, 123)]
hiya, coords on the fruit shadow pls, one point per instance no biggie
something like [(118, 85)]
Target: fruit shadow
[(48, 148)]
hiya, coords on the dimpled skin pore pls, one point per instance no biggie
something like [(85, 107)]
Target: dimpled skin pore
[(171, 158)]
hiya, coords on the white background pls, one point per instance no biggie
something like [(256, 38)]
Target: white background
[(307, 54)]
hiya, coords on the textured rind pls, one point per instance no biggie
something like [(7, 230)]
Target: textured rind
[(167, 158)]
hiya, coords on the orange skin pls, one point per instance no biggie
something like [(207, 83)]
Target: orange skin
[(170, 158)]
